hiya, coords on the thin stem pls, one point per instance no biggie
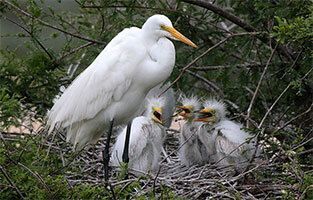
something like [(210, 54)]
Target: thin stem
[(11, 182), (258, 86), (52, 26), (205, 53)]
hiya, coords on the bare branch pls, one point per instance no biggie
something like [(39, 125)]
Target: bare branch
[(11, 182), (75, 50), (205, 53), (51, 26), (279, 97), (233, 18), (209, 83), (259, 84), (32, 36)]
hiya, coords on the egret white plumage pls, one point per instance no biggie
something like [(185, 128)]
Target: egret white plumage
[(117, 81), (192, 150), (231, 144), (146, 139)]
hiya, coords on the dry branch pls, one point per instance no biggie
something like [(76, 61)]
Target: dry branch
[(237, 20), (259, 84), (50, 25), (182, 71)]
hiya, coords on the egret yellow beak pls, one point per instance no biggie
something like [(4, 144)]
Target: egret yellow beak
[(206, 115), (178, 36), (157, 115)]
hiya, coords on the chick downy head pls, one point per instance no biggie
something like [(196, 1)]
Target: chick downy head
[(188, 108), (213, 112), (155, 109)]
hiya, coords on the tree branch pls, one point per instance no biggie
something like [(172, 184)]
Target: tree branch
[(75, 50), (11, 182), (214, 87), (236, 20), (258, 86), (32, 36), (279, 97), (203, 54), (51, 26)]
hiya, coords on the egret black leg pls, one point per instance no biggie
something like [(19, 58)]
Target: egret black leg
[(106, 152), (125, 156)]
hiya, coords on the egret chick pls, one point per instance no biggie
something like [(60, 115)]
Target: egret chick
[(169, 101), (192, 150), (146, 140), (229, 144)]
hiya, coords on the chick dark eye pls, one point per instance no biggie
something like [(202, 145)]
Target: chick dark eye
[(186, 110), (157, 114), (209, 114)]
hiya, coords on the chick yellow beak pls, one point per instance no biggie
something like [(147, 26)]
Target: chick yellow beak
[(174, 33), (206, 115), (157, 115)]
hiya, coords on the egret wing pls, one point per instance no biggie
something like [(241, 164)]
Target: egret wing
[(139, 139), (225, 146), (105, 80)]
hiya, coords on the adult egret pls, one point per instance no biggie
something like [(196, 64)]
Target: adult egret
[(192, 150), (146, 139), (116, 82), (112, 88), (231, 145)]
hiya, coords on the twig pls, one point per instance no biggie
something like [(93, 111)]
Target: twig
[(209, 83), (233, 18), (259, 84), (294, 118), (182, 71), (52, 26), (279, 97), (11, 182), (220, 67), (36, 175), (155, 180), (75, 50), (32, 36)]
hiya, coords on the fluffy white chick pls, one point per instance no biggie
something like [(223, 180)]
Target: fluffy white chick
[(146, 140), (227, 141), (192, 151)]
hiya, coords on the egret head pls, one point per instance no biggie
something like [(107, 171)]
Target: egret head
[(213, 112), (162, 26), (155, 109), (188, 107)]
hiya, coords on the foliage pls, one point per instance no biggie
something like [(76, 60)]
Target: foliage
[(59, 43), (38, 174)]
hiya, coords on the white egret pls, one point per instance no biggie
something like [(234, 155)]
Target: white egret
[(112, 88), (192, 150), (146, 139), (117, 81), (228, 142)]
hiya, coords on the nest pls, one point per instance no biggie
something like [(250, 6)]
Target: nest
[(204, 182)]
